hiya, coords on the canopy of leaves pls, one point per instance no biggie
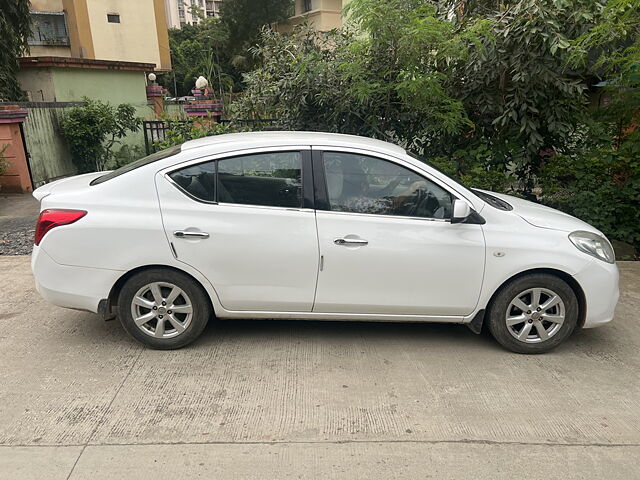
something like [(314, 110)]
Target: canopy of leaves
[(493, 91), (245, 18), (518, 90), (615, 39), (411, 70), (94, 128), (384, 76), (15, 28), (201, 49)]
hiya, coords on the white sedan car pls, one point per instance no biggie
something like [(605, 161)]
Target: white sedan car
[(314, 226)]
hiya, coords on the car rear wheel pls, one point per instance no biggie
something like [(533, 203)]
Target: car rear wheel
[(533, 314), (163, 309)]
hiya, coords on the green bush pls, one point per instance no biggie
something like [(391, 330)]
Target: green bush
[(477, 168), (94, 128), (181, 131), (601, 187), (125, 155)]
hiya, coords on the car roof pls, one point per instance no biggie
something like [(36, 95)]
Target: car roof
[(295, 138)]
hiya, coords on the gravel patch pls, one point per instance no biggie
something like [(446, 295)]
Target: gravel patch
[(16, 235)]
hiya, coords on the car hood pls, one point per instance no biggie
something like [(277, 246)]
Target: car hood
[(544, 217)]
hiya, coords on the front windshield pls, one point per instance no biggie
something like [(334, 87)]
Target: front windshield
[(154, 157), (423, 160), (427, 162)]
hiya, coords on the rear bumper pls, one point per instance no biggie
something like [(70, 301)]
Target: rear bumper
[(600, 284), (71, 286)]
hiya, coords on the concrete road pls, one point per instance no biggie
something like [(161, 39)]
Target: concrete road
[(283, 400)]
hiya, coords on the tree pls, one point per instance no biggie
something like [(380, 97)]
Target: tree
[(245, 18), (15, 28), (518, 90), (615, 39), (201, 49), (598, 180), (94, 128), (387, 75)]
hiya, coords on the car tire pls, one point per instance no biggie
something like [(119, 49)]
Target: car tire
[(163, 309), (542, 328)]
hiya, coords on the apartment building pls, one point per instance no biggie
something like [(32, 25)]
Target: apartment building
[(323, 15), (111, 30), (189, 12)]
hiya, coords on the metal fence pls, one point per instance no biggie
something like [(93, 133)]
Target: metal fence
[(155, 131)]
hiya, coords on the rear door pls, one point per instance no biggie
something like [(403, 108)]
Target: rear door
[(246, 222)]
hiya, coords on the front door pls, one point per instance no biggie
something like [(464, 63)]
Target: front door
[(242, 222), (387, 244)]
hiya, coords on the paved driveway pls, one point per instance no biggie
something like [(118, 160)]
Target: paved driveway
[(275, 399)]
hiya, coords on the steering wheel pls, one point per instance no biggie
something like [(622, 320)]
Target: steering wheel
[(426, 204)]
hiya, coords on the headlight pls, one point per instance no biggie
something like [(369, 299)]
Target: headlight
[(594, 245)]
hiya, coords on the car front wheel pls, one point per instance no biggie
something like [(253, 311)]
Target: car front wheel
[(163, 309), (533, 313)]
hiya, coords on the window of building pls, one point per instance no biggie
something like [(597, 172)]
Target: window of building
[(48, 28), (113, 18), (307, 5), (362, 184)]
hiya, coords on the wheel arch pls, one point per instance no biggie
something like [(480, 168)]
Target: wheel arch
[(112, 301), (575, 286)]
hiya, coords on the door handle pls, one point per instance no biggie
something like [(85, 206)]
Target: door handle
[(350, 241), (187, 234)]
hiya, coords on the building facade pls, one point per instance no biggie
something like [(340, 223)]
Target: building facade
[(112, 30), (190, 12), (322, 15)]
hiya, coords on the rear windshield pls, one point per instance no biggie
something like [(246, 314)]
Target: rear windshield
[(154, 157)]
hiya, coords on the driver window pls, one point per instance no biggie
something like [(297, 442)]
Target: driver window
[(362, 184)]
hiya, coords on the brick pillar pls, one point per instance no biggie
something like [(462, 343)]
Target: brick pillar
[(16, 177), (155, 94)]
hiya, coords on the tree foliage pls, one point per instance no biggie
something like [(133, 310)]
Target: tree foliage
[(15, 28), (496, 92), (408, 70), (201, 49), (385, 76), (518, 90), (94, 128), (598, 178), (245, 18), (217, 48)]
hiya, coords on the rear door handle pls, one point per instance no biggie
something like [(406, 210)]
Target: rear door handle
[(350, 241), (187, 234)]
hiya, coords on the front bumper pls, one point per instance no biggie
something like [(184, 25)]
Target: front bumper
[(71, 286), (600, 284)]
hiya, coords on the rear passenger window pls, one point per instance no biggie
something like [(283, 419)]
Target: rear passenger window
[(269, 179), (199, 181)]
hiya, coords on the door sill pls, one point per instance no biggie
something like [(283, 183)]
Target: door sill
[(349, 317)]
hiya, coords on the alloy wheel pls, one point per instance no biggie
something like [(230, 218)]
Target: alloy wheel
[(161, 310), (535, 315)]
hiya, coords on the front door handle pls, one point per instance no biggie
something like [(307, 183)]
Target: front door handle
[(187, 234), (350, 241)]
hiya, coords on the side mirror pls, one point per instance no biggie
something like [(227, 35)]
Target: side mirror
[(461, 211)]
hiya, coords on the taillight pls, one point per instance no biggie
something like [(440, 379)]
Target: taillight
[(54, 217)]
